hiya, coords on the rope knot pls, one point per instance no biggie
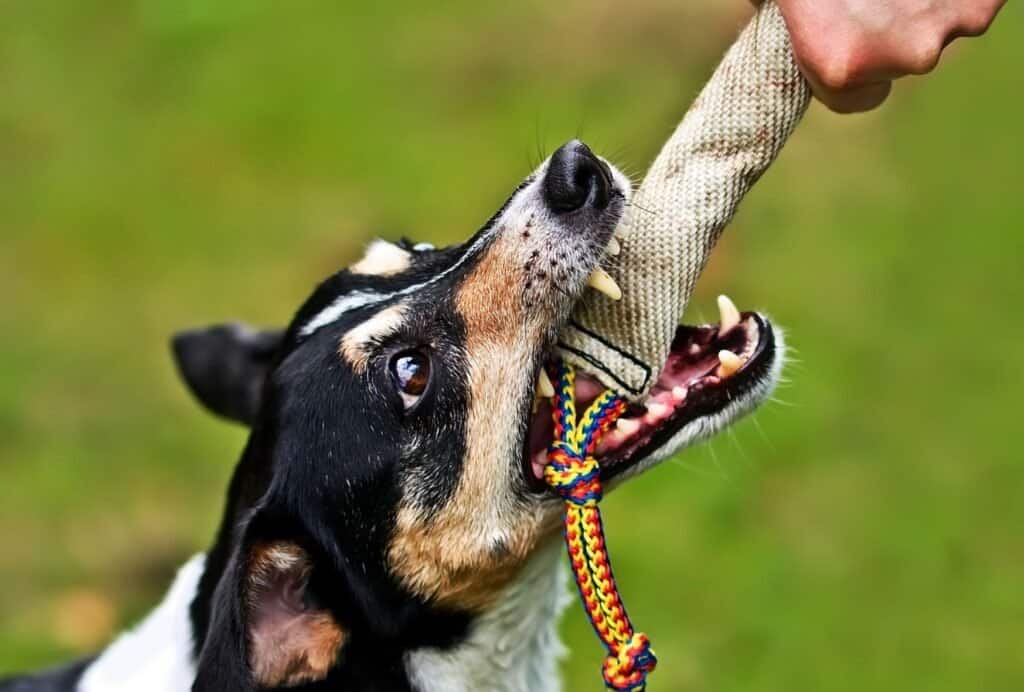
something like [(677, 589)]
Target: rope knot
[(577, 478), (627, 670)]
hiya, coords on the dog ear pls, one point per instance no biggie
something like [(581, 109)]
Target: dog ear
[(266, 630), (226, 366), (291, 640)]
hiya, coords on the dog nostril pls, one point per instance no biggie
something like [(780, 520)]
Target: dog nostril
[(575, 177)]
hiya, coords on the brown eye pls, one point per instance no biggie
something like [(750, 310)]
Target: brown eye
[(411, 372)]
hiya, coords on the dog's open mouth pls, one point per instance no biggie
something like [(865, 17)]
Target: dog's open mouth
[(709, 368)]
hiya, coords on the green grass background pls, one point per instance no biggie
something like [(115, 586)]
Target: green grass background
[(170, 163)]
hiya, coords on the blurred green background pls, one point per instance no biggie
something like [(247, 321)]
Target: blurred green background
[(171, 163)]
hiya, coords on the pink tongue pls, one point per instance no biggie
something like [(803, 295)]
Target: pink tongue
[(538, 463), (587, 390)]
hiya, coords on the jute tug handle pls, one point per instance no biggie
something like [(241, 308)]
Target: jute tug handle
[(728, 138)]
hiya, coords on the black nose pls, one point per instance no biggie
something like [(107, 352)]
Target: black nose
[(575, 178)]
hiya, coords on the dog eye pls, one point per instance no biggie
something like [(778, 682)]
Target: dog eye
[(411, 372)]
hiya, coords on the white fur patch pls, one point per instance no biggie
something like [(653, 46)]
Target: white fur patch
[(382, 259), (156, 656), (346, 303), (358, 299), (358, 342), (514, 647)]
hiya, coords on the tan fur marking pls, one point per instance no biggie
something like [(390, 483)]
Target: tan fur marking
[(357, 344), (288, 646), (447, 562), (464, 555), (382, 259)]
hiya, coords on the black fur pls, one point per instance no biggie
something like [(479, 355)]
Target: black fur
[(226, 366), (321, 469), (332, 453)]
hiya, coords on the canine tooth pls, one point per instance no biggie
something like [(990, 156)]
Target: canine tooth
[(613, 247), (730, 363), (627, 426), (544, 387), (603, 282), (679, 394), (730, 315)]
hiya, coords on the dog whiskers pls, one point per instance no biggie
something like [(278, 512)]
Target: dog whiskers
[(761, 432), (643, 209)]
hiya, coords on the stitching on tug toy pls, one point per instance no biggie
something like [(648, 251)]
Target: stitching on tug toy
[(576, 475)]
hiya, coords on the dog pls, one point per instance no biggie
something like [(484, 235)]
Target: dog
[(388, 526)]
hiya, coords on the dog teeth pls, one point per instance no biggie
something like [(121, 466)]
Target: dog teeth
[(656, 412), (613, 247), (545, 389), (601, 281), (627, 426), (679, 394), (730, 315), (730, 363)]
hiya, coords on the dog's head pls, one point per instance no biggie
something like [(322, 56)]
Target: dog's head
[(391, 485)]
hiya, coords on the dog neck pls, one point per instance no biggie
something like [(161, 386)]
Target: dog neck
[(513, 647)]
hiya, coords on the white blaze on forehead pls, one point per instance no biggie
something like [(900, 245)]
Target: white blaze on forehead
[(346, 303), (359, 299), (358, 343), (382, 259)]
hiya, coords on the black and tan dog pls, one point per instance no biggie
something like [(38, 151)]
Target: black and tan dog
[(386, 527)]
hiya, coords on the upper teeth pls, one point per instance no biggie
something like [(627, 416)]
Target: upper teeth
[(613, 247), (730, 315), (603, 282)]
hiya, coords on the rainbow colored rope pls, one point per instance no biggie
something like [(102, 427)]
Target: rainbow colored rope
[(575, 474)]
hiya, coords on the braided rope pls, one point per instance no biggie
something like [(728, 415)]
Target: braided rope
[(575, 474)]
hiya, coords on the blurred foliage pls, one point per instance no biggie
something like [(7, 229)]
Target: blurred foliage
[(173, 163)]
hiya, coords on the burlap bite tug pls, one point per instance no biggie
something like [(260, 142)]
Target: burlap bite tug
[(729, 137)]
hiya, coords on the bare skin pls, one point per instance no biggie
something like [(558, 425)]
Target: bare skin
[(851, 50)]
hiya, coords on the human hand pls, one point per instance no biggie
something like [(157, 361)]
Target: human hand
[(851, 50)]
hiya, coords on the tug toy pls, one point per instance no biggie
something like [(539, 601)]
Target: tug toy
[(575, 474), (728, 139)]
